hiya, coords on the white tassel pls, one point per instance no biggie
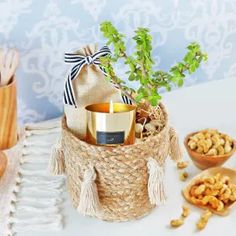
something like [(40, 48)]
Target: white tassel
[(56, 162), (175, 150), (89, 201), (156, 189)]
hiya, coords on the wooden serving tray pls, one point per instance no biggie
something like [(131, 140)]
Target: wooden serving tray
[(210, 172)]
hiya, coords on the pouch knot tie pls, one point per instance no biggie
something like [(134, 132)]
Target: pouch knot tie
[(89, 60)]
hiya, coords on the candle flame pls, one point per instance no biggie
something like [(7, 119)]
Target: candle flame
[(111, 109)]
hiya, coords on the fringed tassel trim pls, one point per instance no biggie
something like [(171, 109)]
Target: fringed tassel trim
[(175, 149), (57, 162), (156, 189), (89, 200)]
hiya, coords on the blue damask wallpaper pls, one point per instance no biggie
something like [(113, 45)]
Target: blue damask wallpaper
[(43, 30)]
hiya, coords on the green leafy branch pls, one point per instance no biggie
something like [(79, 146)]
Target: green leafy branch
[(141, 63)]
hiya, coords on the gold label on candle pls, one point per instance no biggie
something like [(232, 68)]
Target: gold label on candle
[(110, 137)]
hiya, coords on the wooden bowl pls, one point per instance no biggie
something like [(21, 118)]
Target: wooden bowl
[(203, 161), (3, 163), (211, 172)]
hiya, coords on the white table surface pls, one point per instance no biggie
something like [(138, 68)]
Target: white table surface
[(208, 105)]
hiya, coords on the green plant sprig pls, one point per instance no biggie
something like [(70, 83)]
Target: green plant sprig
[(141, 63)]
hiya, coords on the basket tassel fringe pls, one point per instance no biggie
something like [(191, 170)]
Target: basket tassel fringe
[(56, 162), (156, 189), (89, 200), (175, 150)]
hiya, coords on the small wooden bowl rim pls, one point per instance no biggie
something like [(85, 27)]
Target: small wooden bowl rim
[(191, 152)]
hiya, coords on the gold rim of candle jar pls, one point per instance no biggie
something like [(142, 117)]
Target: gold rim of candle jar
[(104, 107)]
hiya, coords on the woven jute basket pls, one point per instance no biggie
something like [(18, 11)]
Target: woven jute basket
[(116, 183)]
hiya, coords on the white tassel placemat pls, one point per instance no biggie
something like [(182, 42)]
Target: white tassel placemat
[(30, 198)]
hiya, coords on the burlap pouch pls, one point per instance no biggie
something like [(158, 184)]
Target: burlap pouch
[(89, 86)]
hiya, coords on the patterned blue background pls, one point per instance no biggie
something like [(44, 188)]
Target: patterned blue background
[(44, 30)]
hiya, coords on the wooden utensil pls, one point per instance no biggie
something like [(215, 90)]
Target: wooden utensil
[(3, 163), (8, 65), (203, 161), (211, 172)]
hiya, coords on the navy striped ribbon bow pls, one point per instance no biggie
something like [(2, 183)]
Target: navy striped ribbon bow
[(79, 61)]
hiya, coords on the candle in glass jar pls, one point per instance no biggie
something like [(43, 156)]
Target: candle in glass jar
[(111, 124)]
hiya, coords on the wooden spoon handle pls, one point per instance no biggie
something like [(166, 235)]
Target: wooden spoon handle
[(8, 65), (3, 69), (15, 62), (1, 57), (8, 58)]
